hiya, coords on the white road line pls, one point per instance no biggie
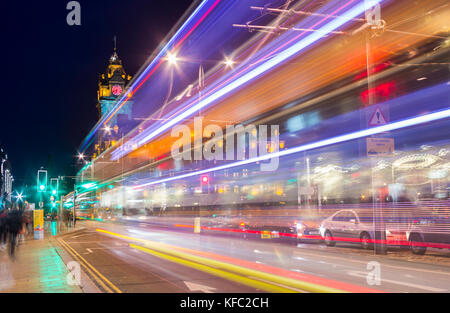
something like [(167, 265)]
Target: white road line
[(428, 288), (296, 270), (80, 235)]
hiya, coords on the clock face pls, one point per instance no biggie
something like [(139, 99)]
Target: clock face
[(116, 90)]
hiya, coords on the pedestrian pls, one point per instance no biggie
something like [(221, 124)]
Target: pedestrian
[(29, 222), (70, 217), (22, 229), (14, 223), (3, 229), (66, 218)]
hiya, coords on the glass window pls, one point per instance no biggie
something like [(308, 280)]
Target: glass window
[(341, 217)]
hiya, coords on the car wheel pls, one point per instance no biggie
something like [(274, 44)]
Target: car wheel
[(365, 241), (415, 241), (329, 239)]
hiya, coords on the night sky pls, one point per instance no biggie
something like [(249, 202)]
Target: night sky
[(50, 71)]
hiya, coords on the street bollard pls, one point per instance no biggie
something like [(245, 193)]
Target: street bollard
[(197, 225)]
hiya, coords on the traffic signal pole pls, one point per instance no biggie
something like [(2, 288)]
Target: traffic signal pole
[(377, 208)]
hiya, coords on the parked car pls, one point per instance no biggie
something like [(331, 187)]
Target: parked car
[(431, 231), (308, 231), (351, 226)]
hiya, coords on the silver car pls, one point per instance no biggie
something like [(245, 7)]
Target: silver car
[(348, 226)]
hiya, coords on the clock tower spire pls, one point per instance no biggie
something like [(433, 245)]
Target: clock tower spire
[(112, 85)]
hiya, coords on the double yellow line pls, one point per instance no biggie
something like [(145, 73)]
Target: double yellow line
[(243, 275), (94, 273), (267, 286)]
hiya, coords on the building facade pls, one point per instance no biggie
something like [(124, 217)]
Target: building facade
[(6, 179)]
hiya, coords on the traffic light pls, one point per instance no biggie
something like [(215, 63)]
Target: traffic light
[(54, 186), (41, 180), (205, 179)]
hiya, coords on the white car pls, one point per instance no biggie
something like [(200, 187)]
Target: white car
[(348, 226)]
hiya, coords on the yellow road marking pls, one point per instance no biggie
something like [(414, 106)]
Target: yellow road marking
[(97, 276), (294, 284), (70, 250), (266, 286)]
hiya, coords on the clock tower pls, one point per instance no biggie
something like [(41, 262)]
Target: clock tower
[(112, 85)]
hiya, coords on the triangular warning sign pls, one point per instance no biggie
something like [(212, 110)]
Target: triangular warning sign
[(377, 118)]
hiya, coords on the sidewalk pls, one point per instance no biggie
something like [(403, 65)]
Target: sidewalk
[(37, 268)]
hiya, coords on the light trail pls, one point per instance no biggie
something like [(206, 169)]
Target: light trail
[(125, 97), (439, 115), (143, 138), (271, 274)]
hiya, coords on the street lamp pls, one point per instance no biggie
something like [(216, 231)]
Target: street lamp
[(172, 58), (19, 196), (228, 62)]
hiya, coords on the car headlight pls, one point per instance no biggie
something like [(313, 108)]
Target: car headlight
[(322, 230)]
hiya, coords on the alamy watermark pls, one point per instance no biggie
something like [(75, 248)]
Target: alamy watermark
[(74, 16), (73, 278), (374, 276), (231, 146)]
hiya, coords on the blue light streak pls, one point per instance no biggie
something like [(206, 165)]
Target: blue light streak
[(143, 138), (439, 115), (151, 65)]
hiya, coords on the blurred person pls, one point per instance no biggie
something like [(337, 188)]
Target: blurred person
[(3, 229), (29, 222), (22, 229), (14, 223), (71, 223), (66, 218)]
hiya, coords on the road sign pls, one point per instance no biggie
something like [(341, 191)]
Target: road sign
[(380, 146), (377, 118)]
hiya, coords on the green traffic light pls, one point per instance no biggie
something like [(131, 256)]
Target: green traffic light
[(42, 187)]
